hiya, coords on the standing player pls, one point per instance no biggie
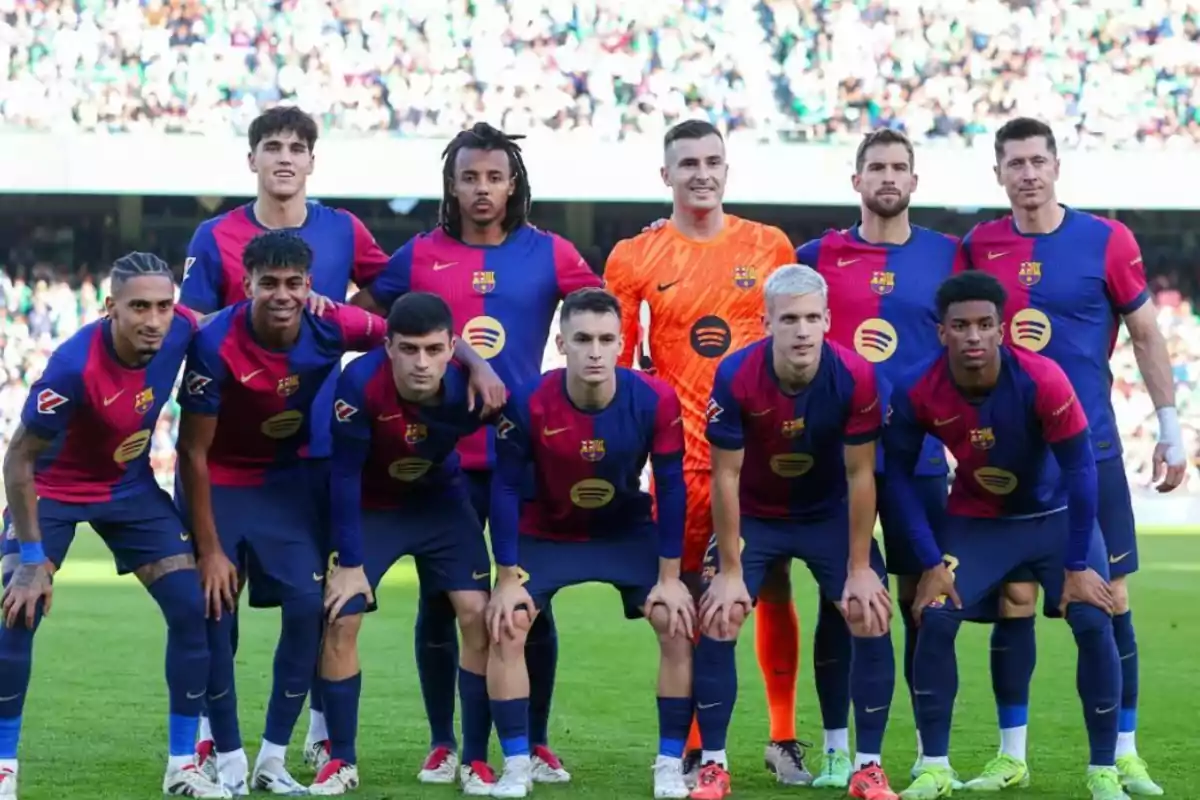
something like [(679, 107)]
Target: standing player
[(585, 433), (397, 490), (701, 274), (81, 455), (282, 156), (793, 422), (1071, 278), (503, 279), (882, 276), (1024, 499), (253, 374)]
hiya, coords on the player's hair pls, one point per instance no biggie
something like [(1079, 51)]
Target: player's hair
[(967, 287), (581, 301), (283, 119), (882, 136), (419, 314), (137, 265), (484, 137), (1022, 128), (793, 280), (277, 250), (690, 129)]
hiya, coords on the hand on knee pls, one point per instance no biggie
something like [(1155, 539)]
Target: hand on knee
[(469, 607), (673, 644), (513, 638), (1120, 595), (725, 624)]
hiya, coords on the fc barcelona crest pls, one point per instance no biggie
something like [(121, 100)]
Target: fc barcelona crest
[(793, 428), (415, 433), (287, 386), (591, 449), (483, 282), (1029, 273), (744, 277), (983, 438), (144, 401), (883, 282)]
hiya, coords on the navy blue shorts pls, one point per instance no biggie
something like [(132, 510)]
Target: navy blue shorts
[(823, 546), (628, 563), (275, 533), (445, 539), (983, 554), (479, 484), (932, 492), (1116, 517), (138, 530)]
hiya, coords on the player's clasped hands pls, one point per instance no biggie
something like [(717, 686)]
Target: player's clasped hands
[(219, 580), (673, 595), (936, 585), (29, 584), (509, 599), (1086, 586), (864, 587), (726, 592)]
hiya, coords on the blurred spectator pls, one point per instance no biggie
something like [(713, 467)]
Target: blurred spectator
[(1106, 73)]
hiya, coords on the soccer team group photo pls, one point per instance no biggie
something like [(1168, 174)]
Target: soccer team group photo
[(922, 423)]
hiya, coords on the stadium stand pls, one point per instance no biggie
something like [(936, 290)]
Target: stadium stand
[(798, 70)]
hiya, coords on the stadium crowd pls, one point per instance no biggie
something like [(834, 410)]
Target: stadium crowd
[(37, 314), (1104, 72)]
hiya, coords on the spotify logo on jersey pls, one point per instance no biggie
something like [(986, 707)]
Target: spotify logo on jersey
[(711, 337)]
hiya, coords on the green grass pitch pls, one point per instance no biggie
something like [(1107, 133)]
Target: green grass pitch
[(95, 722)]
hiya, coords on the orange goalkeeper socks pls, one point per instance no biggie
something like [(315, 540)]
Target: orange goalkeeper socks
[(777, 643)]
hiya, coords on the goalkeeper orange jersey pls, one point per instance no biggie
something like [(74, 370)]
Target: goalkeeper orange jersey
[(706, 300)]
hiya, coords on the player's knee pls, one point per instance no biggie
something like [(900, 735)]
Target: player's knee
[(737, 618), (181, 600), (856, 620), (1085, 618), (1018, 600), (306, 610), (675, 649), (777, 585), (660, 620), (469, 608), (511, 646), (435, 617), (1120, 594), (341, 635)]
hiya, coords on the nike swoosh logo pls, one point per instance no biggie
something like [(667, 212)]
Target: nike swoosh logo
[(940, 423), (992, 255), (554, 431), (662, 287), (478, 576), (1118, 559), (10, 697), (183, 537), (845, 262), (710, 705), (108, 401), (318, 576), (250, 376), (195, 695), (761, 413), (212, 697), (876, 709), (293, 695), (438, 266), (388, 417), (1108, 710)]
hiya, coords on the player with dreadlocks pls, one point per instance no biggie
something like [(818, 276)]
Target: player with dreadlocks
[(503, 280)]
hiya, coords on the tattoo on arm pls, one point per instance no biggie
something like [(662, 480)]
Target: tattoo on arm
[(19, 485)]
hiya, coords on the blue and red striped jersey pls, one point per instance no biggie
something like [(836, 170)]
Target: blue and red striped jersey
[(503, 300), (794, 465), (1003, 443), (881, 302), (1066, 293), (263, 398), (407, 450), (586, 466), (99, 414), (343, 251)]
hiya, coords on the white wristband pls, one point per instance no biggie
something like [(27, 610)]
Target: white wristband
[(1170, 434)]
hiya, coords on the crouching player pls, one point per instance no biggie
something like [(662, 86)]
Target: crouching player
[(253, 375), (793, 422), (396, 490), (585, 433), (81, 456), (1023, 501)]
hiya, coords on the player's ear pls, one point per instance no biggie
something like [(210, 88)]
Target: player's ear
[(666, 176), (109, 305), (855, 181), (766, 323), (248, 285), (996, 172), (941, 334), (560, 344), (250, 161)]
